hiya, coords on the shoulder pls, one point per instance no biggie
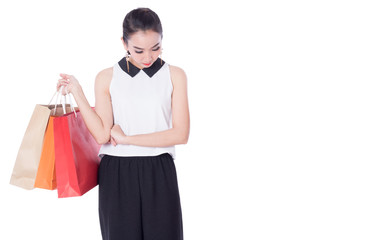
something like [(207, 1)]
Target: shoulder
[(104, 77), (105, 74), (178, 75), (176, 71)]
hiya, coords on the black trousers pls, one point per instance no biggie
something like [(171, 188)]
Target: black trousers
[(139, 198)]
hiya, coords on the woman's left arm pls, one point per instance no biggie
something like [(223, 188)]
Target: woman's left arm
[(178, 134)]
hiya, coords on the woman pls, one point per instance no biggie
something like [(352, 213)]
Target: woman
[(141, 113)]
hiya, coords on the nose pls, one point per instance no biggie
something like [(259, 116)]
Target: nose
[(148, 57)]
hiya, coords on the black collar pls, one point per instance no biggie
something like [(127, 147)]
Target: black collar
[(150, 71)]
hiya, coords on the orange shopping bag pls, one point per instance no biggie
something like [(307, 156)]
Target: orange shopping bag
[(46, 172)]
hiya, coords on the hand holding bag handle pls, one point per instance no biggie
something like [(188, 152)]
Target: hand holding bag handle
[(63, 101), (46, 174)]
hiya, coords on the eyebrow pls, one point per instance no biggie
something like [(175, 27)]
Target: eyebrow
[(143, 48)]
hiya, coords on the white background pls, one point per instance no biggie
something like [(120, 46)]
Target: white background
[(279, 105)]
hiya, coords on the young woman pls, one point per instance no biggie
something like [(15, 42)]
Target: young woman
[(141, 113)]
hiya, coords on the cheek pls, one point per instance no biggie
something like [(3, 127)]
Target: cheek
[(133, 54), (155, 55), (136, 56)]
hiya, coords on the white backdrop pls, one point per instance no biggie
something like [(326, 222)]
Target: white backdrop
[(279, 105)]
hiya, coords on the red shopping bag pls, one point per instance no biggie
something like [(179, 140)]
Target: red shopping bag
[(76, 156)]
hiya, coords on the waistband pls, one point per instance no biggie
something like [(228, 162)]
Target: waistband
[(161, 156)]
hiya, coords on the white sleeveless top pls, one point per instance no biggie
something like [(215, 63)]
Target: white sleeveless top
[(141, 101)]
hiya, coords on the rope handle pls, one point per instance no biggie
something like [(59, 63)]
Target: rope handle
[(63, 101)]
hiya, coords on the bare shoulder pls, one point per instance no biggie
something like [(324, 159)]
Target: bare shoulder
[(178, 75), (176, 71), (104, 77), (105, 74)]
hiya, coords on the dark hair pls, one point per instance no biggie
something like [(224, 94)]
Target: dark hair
[(141, 19)]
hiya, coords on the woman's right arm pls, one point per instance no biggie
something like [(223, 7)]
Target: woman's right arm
[(100, 121)]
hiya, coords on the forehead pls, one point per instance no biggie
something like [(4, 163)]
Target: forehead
[(144, 39)]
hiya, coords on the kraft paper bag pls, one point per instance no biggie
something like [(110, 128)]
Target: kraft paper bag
[(28, 158)]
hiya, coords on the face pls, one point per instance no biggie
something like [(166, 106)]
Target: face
[(144, 47)]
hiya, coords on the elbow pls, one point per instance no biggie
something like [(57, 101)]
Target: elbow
[(182, 134), (102, 139), (184, 141), (184, 137)]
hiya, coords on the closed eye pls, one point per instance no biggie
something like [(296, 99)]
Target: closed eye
[(152, 50)]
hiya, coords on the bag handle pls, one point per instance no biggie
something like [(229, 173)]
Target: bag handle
[(71, 103), (63, 101)]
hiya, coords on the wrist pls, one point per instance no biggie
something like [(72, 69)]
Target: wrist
[(76, 90), (120, 138), (124, 140)]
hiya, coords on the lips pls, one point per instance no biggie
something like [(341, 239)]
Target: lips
[(147, 64)]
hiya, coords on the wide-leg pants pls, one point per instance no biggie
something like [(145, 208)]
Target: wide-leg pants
[(139, 198)]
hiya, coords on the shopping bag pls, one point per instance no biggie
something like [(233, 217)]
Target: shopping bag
[(45, 177), (27, 162), (76, 156), (28, 157)]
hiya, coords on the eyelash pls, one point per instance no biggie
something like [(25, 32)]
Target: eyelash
[(153, 50)]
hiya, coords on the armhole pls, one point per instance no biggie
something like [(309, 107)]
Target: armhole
[(171, 84), (111, 82), (169, 73)]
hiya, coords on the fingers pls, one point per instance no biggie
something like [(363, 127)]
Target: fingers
[(112, 141), (65, 83), (62, 82), (68, 77), (65, 76), (68, 81)]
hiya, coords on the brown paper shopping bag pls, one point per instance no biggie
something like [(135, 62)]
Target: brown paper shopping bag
[(27, 162)]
